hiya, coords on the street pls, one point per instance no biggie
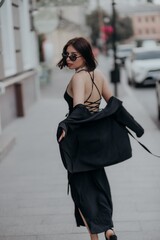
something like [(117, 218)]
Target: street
[(34, 204), (146, 96)]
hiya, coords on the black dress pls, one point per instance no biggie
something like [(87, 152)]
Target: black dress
[(90, 190)]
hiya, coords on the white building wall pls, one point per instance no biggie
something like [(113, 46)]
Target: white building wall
[(18, 61), (29, 51), (8, 41)]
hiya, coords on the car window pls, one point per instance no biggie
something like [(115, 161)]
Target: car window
[(124, 50), (147, 55)]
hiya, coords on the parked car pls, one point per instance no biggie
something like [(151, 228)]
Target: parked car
[(158, 96), (123, 51), (149, 43), (143, 66)]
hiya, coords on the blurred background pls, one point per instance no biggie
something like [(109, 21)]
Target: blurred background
[(33, 32), (125, 37)]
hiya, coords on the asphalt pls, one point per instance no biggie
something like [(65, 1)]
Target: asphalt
[(34, 204)]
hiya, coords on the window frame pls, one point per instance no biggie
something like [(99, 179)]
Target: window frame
[(25, 34), (8, 41)]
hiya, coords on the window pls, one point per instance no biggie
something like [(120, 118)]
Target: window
[(150, 54), (140, 31), (1, 56), (25, 34), (8, 44), (153, 30), (146, 19), (153, 19)]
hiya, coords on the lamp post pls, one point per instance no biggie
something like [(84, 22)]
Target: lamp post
[(100, 15), (115, 74)]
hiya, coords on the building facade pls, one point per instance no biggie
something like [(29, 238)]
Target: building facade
[(18, 62), (146, 25), (120, 4), (145, 20)]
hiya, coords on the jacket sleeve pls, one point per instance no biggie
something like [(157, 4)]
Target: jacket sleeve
[(125, 118), (78, 114), (61, 126)]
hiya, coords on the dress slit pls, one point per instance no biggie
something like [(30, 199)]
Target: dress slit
[(91, 194)]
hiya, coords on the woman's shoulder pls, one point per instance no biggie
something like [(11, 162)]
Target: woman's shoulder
[(81, 75), (78, 79), (78, 75), (99, 75), (98, 72)]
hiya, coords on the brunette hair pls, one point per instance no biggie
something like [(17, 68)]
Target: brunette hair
[(84, 48)]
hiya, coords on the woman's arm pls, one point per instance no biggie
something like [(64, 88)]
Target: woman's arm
[(63, 134), (106, 92), (78, 89)]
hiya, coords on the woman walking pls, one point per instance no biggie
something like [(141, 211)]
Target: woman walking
[(89, 186)]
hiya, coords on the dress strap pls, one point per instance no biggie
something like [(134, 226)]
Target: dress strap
[(92, 78), (93, 106)]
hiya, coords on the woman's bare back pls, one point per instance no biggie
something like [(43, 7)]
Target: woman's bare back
[(93, 86)]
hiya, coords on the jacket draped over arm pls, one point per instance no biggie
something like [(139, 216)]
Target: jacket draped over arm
[(96, 140)]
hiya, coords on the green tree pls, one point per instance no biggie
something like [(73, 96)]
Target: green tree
[(124, 28), (93, 21)]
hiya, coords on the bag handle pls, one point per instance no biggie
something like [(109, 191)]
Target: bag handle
[(143, 145)]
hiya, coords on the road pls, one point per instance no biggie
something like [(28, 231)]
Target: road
[(146, 96)]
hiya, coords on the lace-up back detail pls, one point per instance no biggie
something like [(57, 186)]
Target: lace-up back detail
[(93, 106)]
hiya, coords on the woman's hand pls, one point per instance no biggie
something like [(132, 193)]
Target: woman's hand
[(62, 136)]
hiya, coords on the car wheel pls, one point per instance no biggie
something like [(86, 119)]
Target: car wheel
[(134, 83)]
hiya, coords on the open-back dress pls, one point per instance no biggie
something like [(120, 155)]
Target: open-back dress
[(90, 190)]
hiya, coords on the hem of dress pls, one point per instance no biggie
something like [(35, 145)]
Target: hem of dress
[(106, 228)]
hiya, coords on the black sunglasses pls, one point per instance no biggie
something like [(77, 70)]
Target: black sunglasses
[(73, 57)]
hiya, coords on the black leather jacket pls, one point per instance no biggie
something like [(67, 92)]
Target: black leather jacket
[(96, 140)]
